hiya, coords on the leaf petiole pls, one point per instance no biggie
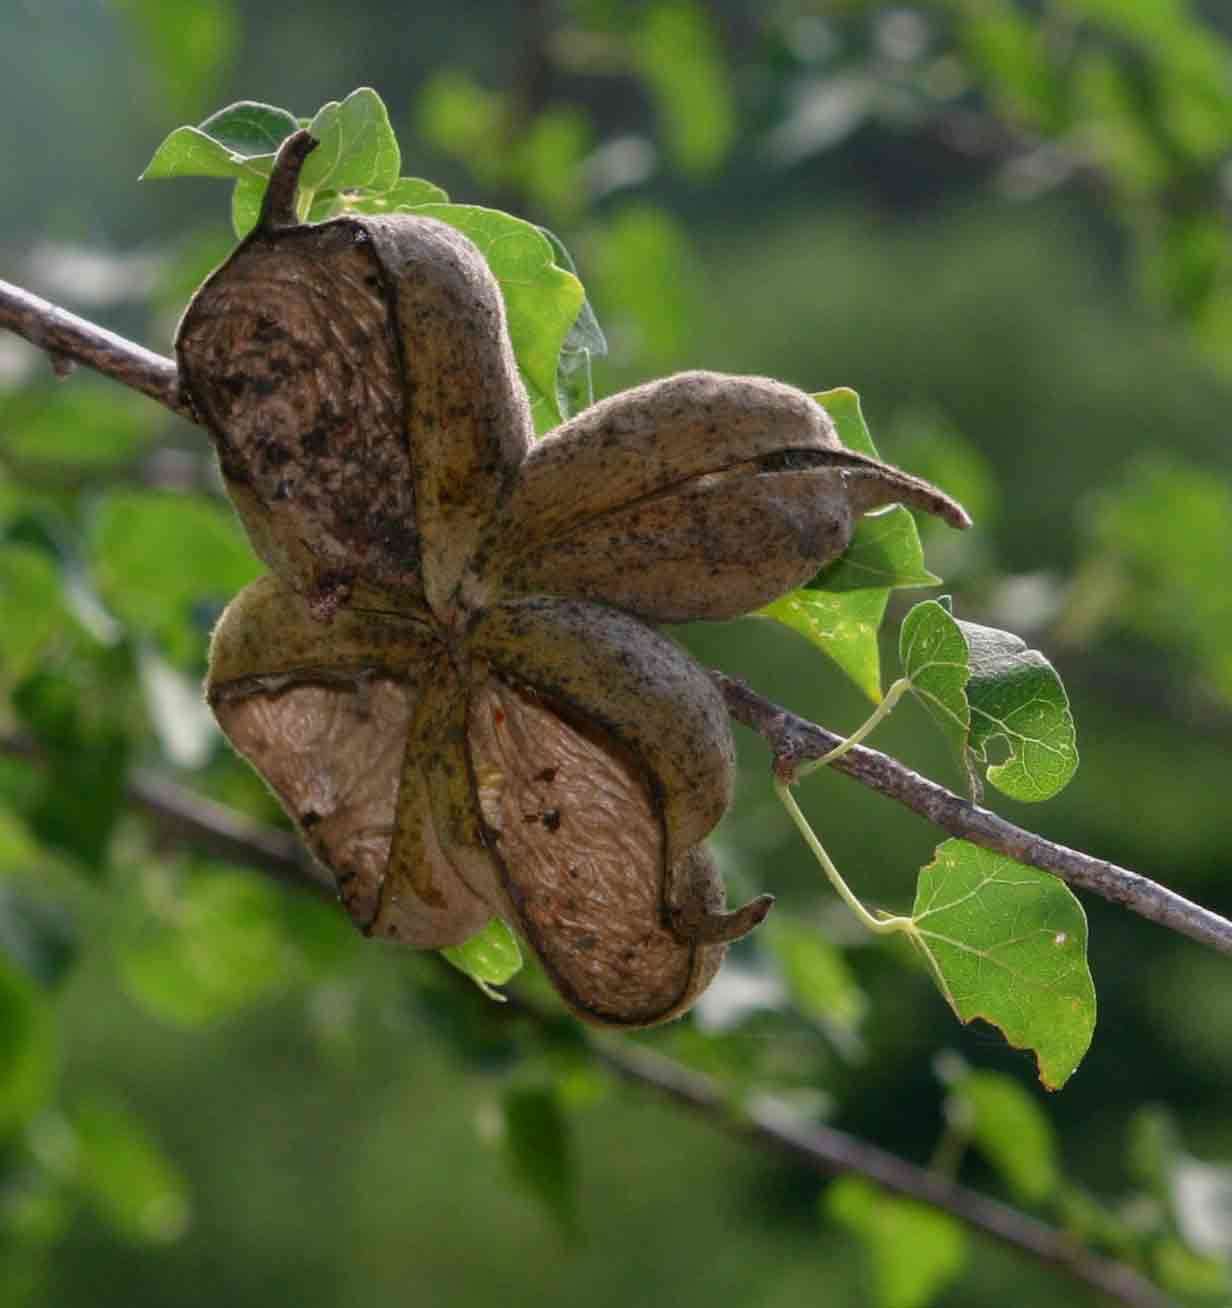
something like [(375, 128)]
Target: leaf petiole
[(879, 925), (892, 696)]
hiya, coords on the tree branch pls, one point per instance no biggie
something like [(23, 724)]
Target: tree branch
[(829, 1152), (66, 337), (795, 740), (792, 739), (822, 1149)]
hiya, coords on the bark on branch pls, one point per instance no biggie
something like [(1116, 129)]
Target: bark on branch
[(792, 739)]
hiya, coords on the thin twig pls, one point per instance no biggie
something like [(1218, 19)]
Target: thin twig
[(66, 337), (188, 817), (795, 740), (829, 1152)]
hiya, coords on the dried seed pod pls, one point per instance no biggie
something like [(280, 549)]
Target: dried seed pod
[(557, 770), (577, 833), (346, 371), (481, 729), (598, 665), (700, 496), (327, 727)]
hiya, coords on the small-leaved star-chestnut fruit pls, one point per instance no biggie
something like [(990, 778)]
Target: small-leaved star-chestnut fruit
[(449, 681)]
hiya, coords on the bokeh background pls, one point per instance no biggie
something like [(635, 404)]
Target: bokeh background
[(1004, 224)]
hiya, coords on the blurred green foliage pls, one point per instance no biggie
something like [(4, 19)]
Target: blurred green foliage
[(952, 207)]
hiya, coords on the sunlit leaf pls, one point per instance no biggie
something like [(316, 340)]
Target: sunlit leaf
[(983, 686), (542, 300), (406, 193), (843, 626), (1007, 944), (126, 1176), (246, 198), (491, 957), (933, 653), (356, 146), (913, 1250), (841, 609), (585, 342)]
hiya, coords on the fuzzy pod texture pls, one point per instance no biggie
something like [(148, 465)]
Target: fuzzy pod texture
[(449, 681), (557, 770)]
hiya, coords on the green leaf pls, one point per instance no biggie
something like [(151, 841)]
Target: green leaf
[(539, 1150), (32, 610), (249, 129), (80, 712), (126, 1176), (406, 193), (27, 1049), (542, 300), (203, 950), (842, 626), (1007, 944), (584, 342), (190, 152), (981, 685), (84, 428), (818, 979), (357, 147), (1012, 1132), (246, 199), (842, 608), (933, 653), (165, 563), (1017, 698), (490, 957), (679, 54), (843, 406), (913, 1250)]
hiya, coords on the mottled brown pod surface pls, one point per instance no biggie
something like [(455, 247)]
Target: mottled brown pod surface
[(449, 682), (347, 371)]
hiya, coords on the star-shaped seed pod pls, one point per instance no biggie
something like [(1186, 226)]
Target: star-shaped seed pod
[(449, 681)]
